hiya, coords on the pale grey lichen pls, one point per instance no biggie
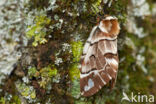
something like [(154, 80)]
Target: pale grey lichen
[(154, 10), (133, 28), (109, 2), (75, 91), (25, 79), (57, 78), (66, 47), (140, 62), (76, 36), (105, 1), (130, 43), (140, 59), (52, 5), (140, 8), (11, 33), (2, 2), (56, 17), (137, 8), (58, 61)]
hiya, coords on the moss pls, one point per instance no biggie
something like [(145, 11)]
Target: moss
[(46, 75), (96, 4), (76, 50), (48, 72), (83, 102), (16, 100), (2, 100), (138, 85), (76, 17), (38, 30), (13, 100), (32, 72), (74, 72), (26, 91)]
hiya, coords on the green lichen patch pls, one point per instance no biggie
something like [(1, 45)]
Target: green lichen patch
[(74, 72), (75, 90), (96, 5), (72, 20), (48, 72), (10, 99), (32, 72), (2, 100), (16, 100), (76, 50), (45, 74), (38, 31), (82, 102), (26, 91)]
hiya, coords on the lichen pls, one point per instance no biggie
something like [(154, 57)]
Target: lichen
[(75, 91), (26, 91), (96, 6), (16, 100), (32, 72), (76, 50), (11, 28), (38, 31), (74, 72), (2, 100), (45, 74), (57, 30)]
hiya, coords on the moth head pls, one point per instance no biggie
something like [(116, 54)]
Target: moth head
[(110, 26)]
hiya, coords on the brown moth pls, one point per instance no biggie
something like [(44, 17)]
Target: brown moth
[(99, 62)]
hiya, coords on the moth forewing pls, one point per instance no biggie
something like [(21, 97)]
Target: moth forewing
[(99, 63)]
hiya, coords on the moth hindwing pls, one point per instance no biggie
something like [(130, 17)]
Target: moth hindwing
[(99, 63)]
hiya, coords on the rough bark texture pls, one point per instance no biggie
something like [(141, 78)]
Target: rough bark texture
[(41, 42)]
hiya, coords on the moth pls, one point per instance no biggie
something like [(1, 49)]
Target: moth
[(99, 61)]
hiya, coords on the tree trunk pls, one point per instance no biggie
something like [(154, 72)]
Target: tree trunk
[(41, 43)]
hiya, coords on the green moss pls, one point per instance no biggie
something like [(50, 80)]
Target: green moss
[(45, 74), (77, 50), (74, 72), (83, 102), (26, 91), (79, 16), (96, 4), (2, 100), (48, 72), (137, 84), (32, 72), (38, 30), (16, 100)]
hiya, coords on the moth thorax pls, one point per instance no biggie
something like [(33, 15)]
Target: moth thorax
[(110, 26)]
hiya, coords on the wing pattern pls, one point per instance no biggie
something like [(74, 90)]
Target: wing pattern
[(99, 62)]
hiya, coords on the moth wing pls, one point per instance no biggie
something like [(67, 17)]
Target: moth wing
[(99, 65)]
